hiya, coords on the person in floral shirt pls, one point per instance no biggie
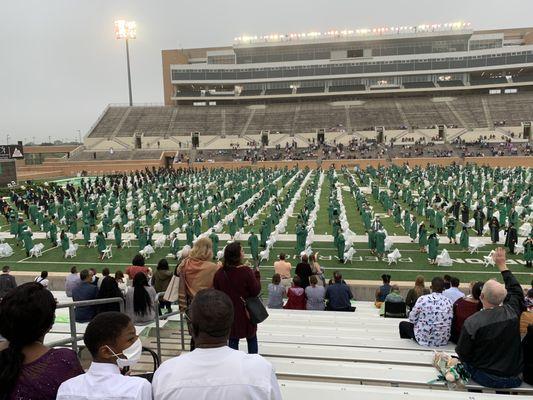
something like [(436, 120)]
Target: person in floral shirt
[(430, 319)]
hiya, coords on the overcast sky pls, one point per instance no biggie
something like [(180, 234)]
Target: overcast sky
[(60, 64)]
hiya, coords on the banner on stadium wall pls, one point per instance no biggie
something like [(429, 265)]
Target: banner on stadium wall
[(11, 151)]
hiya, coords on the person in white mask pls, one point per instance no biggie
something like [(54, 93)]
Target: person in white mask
[(115, 347)]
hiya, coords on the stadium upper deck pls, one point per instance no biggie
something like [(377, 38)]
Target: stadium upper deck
[(424, 58)]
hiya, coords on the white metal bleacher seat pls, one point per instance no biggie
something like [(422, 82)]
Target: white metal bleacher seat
[(108, 252)]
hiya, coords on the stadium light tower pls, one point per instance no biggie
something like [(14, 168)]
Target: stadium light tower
[(126, 30)]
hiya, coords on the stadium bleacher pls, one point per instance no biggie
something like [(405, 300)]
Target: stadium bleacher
[(467, 111), (340, 355)]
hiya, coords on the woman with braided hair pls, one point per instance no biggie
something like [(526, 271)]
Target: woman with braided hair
[(29, 369)]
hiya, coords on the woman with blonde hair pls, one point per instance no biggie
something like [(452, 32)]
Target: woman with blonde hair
[(414, 293), (196, 272)]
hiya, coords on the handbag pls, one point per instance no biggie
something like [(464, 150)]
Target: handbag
[(253, 306), (172, 293)]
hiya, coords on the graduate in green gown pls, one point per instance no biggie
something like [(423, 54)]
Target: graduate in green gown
[(380, 242), (65, 243), (27, 240), (528, 251), (189, 234), (413, 230), (341, 247), (264, 234), (422, 237), (450, 229), (433, 247), (175, 245), (100, 244), (117, 233), (464, 238), (253, 242), (143, 238), (232, 228), (300, 237), (53, 232), (86, 231), (166, 225), (214, 239)]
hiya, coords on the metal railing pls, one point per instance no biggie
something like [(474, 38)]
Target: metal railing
[(74, 337)]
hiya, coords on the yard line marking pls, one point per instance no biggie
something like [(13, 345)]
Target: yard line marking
[(27, 258)]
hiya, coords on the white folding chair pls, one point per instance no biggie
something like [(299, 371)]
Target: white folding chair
[(107, 253), (394, 257), (444, 259), (488, 260), (348, 256), (474, 245), (126, 242), (92, 242)]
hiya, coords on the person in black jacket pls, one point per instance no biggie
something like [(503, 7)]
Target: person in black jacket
[(511, 239), (527, 345), (489, 345)]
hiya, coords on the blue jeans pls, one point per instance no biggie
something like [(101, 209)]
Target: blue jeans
[(252, 344), (492, 381)]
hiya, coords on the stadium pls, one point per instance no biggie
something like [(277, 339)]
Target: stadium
[(400, 150)]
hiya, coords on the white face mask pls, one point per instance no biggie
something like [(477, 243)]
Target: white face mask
[(132, 354)]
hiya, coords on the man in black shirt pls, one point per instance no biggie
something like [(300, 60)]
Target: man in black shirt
[(303, 270), (489, 346)]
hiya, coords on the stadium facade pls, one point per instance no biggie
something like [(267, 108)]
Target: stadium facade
[(339, 64)]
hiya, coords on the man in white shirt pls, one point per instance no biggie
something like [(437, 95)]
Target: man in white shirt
[(213, 370), (114, 345), (453, 293), (72, 280)]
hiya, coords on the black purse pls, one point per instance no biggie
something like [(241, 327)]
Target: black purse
[(254, 307)]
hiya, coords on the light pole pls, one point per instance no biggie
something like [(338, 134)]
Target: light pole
[(79, 135), (126, 30), (7, 138)]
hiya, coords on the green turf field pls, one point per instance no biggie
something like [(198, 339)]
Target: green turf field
[(364, 266)]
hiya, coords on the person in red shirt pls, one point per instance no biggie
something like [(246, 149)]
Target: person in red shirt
[(138, 266), (295, 295), (464, 308)]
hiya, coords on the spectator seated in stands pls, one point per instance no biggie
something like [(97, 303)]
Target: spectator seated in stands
[(295, 295), (85, 291), (7, 282), (71, 281), (393, 297), (213, 370), (108, 290), (114, 345), (276, 292), (430, 319), (140, 301), (489, 346), (383, 291), (137, 266), (414, 293), (315, 295), (28, 369), (160, 281), (453, 293), (338, 295), (464, 308), (526, 318)]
